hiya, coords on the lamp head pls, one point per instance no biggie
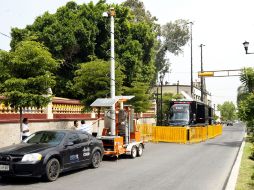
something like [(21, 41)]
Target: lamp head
[(246, 45), (161, 78)]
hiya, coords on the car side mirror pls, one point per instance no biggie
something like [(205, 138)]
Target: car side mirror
[(69, 144)]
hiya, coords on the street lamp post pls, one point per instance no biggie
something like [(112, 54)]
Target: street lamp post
[(177, 87), (191, 23), (246, 46), (161, 116), (201, 78), (111, 14), (157, 105)]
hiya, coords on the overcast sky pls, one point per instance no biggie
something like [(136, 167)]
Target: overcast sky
[(222, 25)]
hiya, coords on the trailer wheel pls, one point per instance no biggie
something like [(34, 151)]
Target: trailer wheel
[(140, 150), (134, 152)]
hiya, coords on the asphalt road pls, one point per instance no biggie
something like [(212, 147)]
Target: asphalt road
[(203, 166)]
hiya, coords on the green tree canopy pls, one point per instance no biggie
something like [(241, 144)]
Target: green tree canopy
[(4, 61), (247, 78), (246, 108), (29, 74), (75, 33), (228, 110), (141, 101), (245, 97), (30, 69), (92, 80)]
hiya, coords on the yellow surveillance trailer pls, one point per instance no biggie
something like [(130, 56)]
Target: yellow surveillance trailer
[(206, 74)]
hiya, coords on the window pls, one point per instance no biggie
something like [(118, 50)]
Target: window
[(73, 137), (83, 137), (48, 137)]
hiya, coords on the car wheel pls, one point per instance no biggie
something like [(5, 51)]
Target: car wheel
[(140, 150), (134, 152), (52, 169), (96, 159)]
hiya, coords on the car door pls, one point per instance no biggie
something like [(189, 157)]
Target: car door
[(86, 147), (73, 149)]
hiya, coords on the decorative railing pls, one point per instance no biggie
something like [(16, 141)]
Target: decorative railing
[(30, 110), (66, 108), (59, 108)]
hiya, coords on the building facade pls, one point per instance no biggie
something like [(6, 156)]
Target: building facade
[(177, 88)]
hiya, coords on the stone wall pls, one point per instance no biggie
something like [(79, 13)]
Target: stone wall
[(9, 132)]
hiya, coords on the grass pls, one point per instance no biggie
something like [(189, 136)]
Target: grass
[(245, 181)]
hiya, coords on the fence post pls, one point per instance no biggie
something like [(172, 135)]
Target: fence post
[(48, 108)]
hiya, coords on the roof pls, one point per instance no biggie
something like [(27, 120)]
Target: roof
[(108, 102)]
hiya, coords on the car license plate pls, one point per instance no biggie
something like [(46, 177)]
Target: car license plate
[(4, 168)]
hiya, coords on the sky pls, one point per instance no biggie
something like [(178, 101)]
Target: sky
[(221, 25)]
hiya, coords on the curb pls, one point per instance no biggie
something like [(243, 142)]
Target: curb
[(231, 183)]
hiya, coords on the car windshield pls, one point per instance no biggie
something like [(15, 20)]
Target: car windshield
[(48, 137)]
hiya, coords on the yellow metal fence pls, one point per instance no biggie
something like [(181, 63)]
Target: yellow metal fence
[(178, 134), (169, 134)]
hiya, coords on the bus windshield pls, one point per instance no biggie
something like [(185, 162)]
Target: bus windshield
[(180, 112)]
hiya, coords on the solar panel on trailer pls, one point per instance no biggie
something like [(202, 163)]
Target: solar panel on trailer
[(104, 102), (125, 98)]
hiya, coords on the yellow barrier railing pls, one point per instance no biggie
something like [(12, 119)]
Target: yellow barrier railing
[(169, 134), (146, 131), (214, 130), (197, 134), (178, 134)]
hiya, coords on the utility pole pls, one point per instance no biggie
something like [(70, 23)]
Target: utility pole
[(161, 80), (111, 13), (191, 23), (157, 106), (201, 78)]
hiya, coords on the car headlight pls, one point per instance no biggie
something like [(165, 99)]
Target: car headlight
[(34, 157)]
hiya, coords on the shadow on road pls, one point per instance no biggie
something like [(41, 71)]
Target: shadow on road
[(114, 158), (18, 181), (229, 144), (29, 181)]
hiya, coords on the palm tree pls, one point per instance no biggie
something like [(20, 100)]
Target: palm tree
[(242, 93), (247, 79)]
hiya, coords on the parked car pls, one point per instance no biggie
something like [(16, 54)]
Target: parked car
[(48, 153)]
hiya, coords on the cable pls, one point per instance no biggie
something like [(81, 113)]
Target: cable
[(5, 35)]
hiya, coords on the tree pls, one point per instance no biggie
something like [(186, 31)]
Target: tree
[(174, 34), (247, 78), (228, 110), (4, 61), (29, 76), (75, 33), (92, 80), (242, 93), (141, 101), (70, 34), (245, 96)]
